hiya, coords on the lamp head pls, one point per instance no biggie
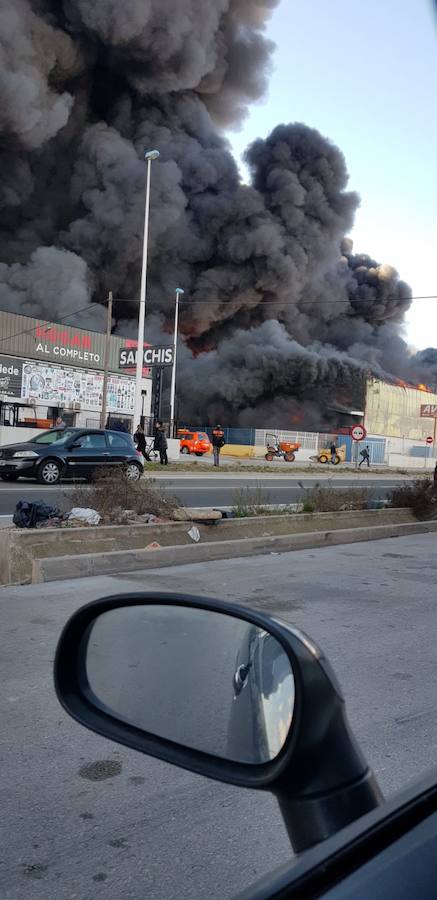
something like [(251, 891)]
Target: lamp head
[(151, 154)]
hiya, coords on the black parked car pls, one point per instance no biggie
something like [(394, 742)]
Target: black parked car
[(69, 453)]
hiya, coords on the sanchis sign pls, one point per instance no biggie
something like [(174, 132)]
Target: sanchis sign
[(153, 356), (428, 410)]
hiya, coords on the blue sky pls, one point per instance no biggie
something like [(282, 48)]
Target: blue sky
[(364, 72)]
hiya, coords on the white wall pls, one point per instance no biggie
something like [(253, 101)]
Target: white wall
[(173, 449), (9, 435), (398, 454)]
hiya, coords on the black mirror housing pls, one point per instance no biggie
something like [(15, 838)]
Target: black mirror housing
[(320, 776)]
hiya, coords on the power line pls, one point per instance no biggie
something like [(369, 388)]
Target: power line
[(308, 301), (298, 302), (61, 320), (190, 302)]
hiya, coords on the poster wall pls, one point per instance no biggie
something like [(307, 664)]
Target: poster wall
[(60, 387), (10, 376)]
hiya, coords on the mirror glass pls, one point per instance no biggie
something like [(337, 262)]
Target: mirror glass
[(202, 679)]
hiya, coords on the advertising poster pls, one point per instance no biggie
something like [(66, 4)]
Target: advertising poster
[(10, 376), (62, 387)]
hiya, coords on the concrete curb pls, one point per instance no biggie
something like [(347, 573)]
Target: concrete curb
[(120, 561)]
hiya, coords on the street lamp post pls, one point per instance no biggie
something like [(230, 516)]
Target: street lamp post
[(149, 156), (178, 293)]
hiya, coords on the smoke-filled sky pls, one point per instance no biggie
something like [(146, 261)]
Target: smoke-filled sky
[(378, 106), (277, 305)]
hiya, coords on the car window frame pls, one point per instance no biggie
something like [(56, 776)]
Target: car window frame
[(126, 441), (65, 435), (87, 434)]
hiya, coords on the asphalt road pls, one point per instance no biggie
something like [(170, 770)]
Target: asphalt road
[(204, 490), (83, 818)]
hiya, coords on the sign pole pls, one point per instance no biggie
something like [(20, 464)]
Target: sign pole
[(106, 365)]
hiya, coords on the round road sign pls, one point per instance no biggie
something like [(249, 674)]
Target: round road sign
[(429, 440), (358, 432)]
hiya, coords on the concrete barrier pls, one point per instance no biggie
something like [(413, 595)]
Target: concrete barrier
[(21, 550), (130, 561)]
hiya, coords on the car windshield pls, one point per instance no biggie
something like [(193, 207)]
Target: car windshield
[(53, 437)]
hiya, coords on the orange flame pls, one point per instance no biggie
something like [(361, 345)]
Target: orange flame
[(417, 387)]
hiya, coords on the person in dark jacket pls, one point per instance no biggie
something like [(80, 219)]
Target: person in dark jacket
[(160, 443), (218, 441), (365, 456), (140, 440), (333, 449)]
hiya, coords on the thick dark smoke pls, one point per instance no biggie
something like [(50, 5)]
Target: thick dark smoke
[(277, 306)]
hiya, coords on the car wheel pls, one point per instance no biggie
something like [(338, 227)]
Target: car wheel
[(9, 476), (337, 460), (49, 472), (185, 451), (289, 457), (199, 454), (269, 457), (323, 459), (133, 472)]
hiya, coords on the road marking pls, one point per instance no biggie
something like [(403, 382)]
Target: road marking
[(216, 487)]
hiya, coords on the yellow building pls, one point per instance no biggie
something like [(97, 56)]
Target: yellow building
[(394, 411)]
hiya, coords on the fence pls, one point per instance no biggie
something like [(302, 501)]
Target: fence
[(308, 440)]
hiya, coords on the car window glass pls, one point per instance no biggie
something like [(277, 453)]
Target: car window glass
[(53, 437), (203, 436), (91, 441), (117, 440)]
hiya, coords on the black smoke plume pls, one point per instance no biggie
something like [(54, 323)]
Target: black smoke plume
[(279, 314)]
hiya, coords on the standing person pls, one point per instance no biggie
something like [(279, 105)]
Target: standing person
[(60, 422), (365, 456), (333, 449), (140, 440), (218, 441), (160, 443)]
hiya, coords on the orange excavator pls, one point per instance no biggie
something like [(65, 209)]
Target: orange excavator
[(277, 449)]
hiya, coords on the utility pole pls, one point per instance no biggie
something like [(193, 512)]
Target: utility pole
[(178, 293), (106, 367)]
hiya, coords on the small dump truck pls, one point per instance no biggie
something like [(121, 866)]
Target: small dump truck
[(277, 449)]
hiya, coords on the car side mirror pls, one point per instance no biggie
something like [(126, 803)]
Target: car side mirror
[(223, 691), (72, 445)]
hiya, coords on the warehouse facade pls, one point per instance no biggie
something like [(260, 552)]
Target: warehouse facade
[(49, 369)]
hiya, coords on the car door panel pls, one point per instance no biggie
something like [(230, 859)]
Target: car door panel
[(119, 448), (92, 453), (389, 845)]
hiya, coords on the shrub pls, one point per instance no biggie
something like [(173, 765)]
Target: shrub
[(420, 496), (251, 502), (111, 492), (325, 498)]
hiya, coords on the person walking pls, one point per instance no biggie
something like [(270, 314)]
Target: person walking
[(218, 441), (140, 440), (333, 449), (365, 456), (160, 443)]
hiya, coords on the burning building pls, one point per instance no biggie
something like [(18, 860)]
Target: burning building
[(280, 317)]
